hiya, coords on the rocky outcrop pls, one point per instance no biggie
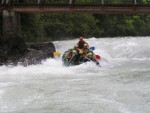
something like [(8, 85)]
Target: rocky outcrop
[(14, 51), (36, 53)]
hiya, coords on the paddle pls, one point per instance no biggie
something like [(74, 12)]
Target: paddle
[(92, 48), (97, 63), (56, 54), (97, 57), (70, 60)]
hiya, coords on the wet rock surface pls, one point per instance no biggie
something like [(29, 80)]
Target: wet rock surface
[(14, 51)]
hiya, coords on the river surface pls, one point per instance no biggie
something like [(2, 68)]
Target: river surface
[(121, 85)]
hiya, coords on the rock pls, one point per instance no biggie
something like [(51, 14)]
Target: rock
[(37, 53), (14, 51), (47, 48)]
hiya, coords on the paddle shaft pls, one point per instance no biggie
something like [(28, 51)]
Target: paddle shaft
[(93, 61), (70, 60)]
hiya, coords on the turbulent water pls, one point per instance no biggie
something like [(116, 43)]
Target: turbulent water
[(121, 85)]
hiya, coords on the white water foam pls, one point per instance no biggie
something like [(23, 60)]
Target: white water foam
[(121, 85)]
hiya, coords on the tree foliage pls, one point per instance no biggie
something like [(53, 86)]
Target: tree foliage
[(55, 26), (58, 26)]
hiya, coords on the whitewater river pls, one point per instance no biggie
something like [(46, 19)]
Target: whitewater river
[(121, 85)]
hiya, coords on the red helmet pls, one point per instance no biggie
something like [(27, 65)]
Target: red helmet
[(81, 38)]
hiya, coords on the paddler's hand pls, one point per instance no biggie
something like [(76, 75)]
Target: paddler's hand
[(97, 63)]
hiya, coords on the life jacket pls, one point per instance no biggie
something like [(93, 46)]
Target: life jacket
[(81, 44)]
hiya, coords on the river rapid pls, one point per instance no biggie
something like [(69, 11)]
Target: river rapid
[(121, 85)]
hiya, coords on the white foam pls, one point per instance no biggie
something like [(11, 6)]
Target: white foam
[(61, 87)]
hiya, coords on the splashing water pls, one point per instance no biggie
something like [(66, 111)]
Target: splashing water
[(121, 85)]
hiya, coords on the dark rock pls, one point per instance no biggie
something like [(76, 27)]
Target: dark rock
[(47, 47), (14, 50), (37, 53)]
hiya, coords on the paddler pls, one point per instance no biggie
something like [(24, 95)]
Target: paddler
[(81, 43)]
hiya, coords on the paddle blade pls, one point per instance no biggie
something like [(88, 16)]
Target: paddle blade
[(56, 54), (92, 48), (98, 57)]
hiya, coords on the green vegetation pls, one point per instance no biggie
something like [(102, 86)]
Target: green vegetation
[(46, 27), (42, 27), (59, 26)]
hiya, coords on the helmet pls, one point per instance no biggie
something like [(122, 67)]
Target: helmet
[(74, 51), (69, 49), (85, 45), (81, 38), (90, 53)]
